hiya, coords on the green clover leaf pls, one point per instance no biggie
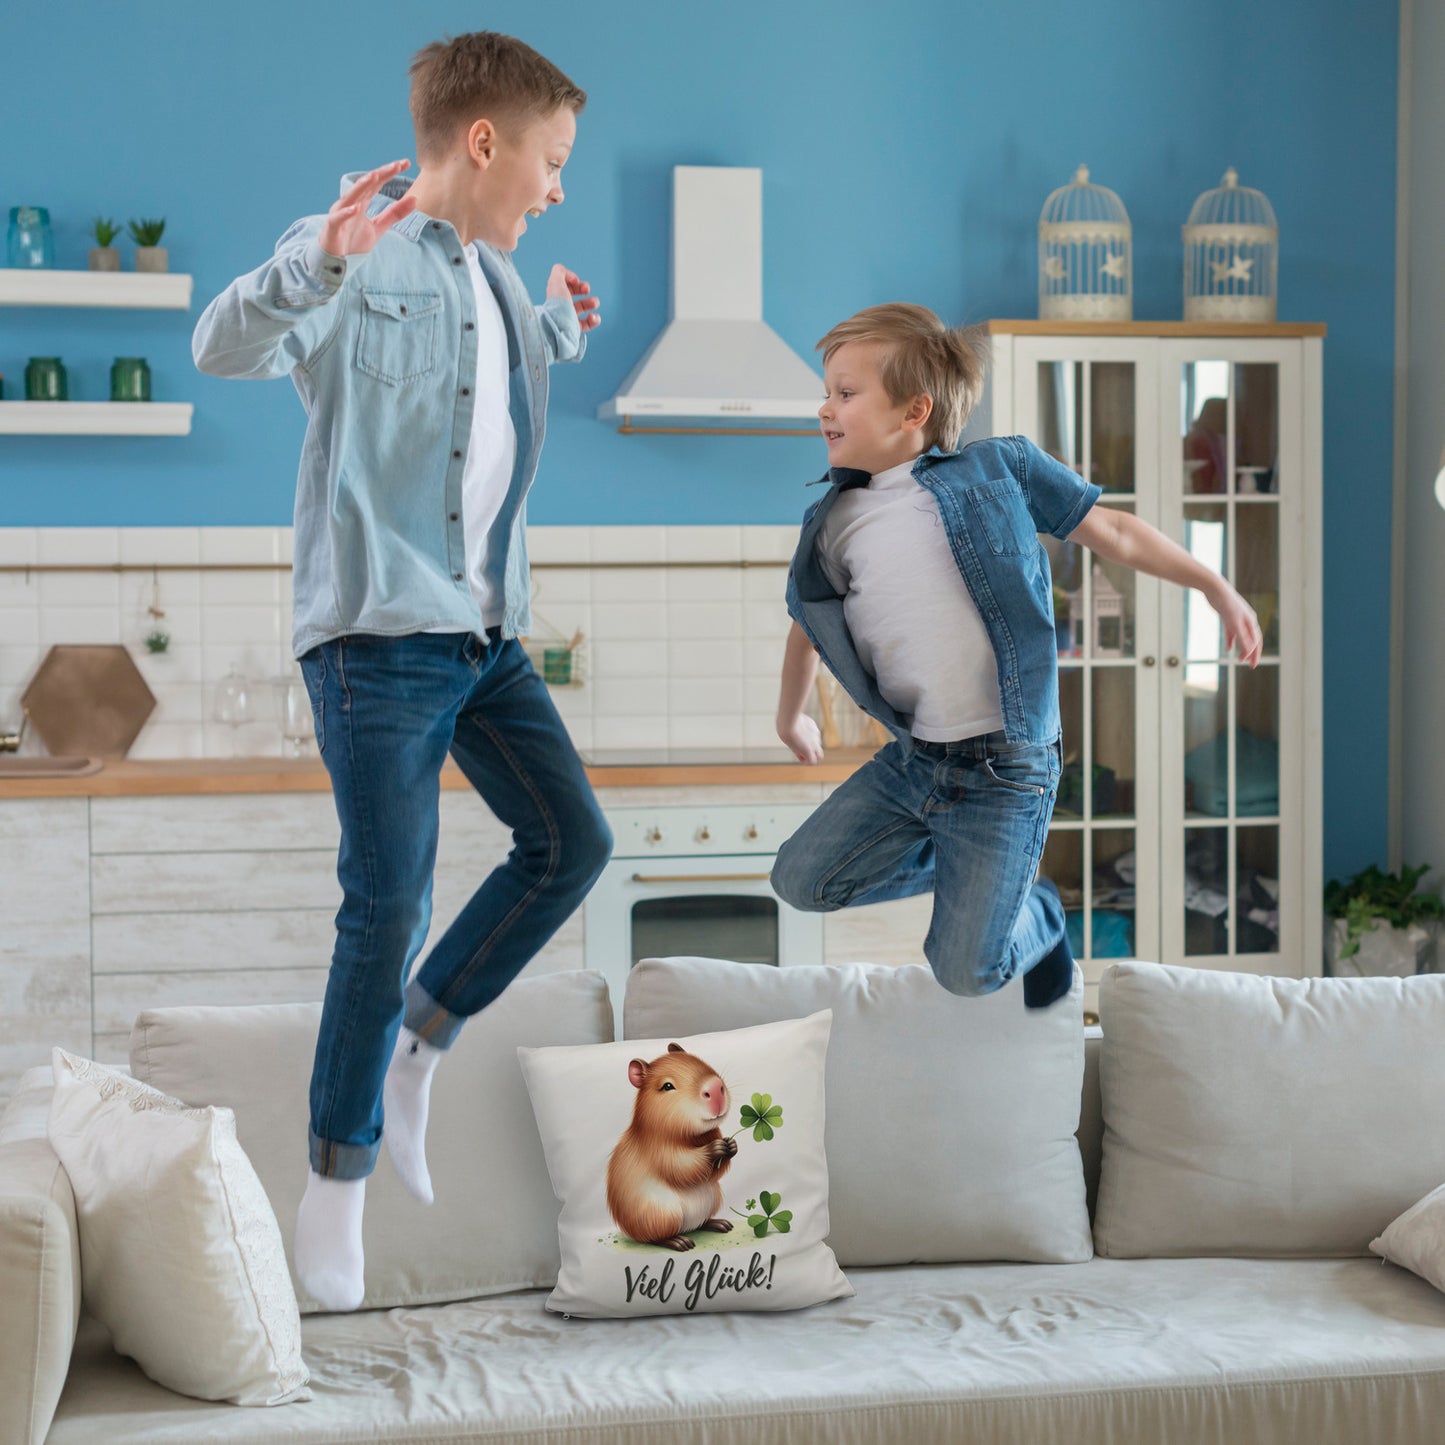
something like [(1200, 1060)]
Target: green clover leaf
[(750, 1204), (762, 1116), (771, 1217)]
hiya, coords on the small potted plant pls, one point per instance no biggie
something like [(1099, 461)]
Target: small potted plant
[(104, 256), (150, 255), (1382, 924)]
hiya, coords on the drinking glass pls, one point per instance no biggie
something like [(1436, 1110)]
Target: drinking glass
[(233, 703), (297, 724)]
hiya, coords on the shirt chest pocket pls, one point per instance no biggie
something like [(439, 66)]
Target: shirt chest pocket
[(1003, 518), (397, 341)]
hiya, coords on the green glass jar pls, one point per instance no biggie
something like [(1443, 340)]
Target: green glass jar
[(45, 379), (130, 379)]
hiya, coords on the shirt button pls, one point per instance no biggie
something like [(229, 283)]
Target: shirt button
[(466, 391), (456, 260), (470, 327), (436, 225), (456, 454), (453, 517), (457, 576)]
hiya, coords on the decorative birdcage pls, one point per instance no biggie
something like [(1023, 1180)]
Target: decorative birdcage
[(1086, 265), (1231, 255)]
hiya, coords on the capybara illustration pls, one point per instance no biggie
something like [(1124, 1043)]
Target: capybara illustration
[(662, 1178)]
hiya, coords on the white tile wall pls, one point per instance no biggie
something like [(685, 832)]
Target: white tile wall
[(674, 655)]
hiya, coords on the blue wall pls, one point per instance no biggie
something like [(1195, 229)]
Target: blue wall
[(903, 157)]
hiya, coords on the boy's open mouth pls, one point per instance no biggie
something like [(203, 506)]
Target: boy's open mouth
[(831, 436)]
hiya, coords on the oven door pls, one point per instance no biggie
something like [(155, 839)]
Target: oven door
[(715, 907)]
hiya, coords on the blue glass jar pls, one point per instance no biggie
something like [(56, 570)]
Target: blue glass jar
[(30, 245)]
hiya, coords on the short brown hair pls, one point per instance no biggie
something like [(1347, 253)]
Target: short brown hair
[(455, 82), (924, 356)]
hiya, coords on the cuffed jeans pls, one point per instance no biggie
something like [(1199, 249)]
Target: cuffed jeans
[(966, 819), (388, 710)]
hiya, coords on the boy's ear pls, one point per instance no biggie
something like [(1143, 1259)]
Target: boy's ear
[(919, 410), (481, 141)]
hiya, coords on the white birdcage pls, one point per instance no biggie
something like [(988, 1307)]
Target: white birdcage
[(1086, 262), (1231, 255)]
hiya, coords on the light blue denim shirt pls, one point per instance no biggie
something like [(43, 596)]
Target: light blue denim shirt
[(382, 349), (994, 497)]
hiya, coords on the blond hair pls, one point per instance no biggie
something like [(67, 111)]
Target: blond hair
[(455, 82), (923, 357)]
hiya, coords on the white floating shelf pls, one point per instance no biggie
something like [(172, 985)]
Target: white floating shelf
[(96, 418), (160, 291)]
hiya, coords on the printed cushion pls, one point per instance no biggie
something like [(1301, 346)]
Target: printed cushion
[(690, 1171), (181, 1256)]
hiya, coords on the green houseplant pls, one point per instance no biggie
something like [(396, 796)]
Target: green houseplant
[(103, 255), (1382, 923), (150, 255)]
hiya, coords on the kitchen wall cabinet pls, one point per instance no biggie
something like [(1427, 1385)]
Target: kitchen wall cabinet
[(1188, 824)]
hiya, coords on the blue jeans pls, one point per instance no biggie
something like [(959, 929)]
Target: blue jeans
[(388, 710), (966, 819)]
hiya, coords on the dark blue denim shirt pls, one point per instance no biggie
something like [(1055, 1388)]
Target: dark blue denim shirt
[(995, 497)]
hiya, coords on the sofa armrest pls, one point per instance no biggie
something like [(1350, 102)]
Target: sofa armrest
[(39, 1266)]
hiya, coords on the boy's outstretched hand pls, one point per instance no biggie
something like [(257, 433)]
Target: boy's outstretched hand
[(348, 230), (563, 282), (1241, 626)]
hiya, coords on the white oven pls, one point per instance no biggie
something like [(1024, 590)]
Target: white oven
[(693, 879)]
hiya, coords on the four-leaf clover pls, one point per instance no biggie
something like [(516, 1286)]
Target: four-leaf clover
[(762, 1116)]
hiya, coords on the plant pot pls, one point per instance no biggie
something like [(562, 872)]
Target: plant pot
[(104, 258), (1385, 951), (152, 258)]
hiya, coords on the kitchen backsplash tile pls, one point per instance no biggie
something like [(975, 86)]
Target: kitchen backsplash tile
[(673, 656)]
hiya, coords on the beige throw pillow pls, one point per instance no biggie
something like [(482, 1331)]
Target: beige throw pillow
[(1416, 1240), (181, 1257)]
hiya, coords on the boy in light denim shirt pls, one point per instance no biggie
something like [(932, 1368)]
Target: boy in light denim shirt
[(920, 580), (422, 365)]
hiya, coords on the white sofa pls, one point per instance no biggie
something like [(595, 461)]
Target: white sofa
[(1339, 1348)]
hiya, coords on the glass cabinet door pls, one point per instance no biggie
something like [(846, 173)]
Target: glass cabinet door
[(1231, 498), (1092, 404)]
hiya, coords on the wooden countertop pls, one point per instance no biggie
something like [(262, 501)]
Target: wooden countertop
[(125, 778)]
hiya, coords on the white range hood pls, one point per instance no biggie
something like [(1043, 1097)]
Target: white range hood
[(717, 357)]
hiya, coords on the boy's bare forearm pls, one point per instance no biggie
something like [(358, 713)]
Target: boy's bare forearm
[(800, 672), (1124, 538)]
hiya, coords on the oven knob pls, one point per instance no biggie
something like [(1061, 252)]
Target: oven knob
[(703, 836), (653, 835), (751, 833)]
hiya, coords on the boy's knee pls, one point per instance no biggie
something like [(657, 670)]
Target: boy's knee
[(797, 885), (586, 851), (967, 977)]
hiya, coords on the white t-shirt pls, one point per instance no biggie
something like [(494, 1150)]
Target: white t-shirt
[(913, 620), (487, 471)]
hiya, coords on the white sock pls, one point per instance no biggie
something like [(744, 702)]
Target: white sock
[(405, 1099), (329, 1258)]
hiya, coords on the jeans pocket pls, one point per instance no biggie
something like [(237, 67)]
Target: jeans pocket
[(1027, 771), (313, 673), (397, 340)]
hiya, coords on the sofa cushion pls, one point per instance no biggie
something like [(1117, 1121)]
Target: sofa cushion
[(690, 1171), (1246, 1115), (180, 1255), (494, 1224), (1416, 1240), (1114, 1352), (39, 1265), (950, 1120)]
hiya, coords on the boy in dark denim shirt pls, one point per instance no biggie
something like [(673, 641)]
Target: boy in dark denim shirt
[(422, 364), (920, 580)]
